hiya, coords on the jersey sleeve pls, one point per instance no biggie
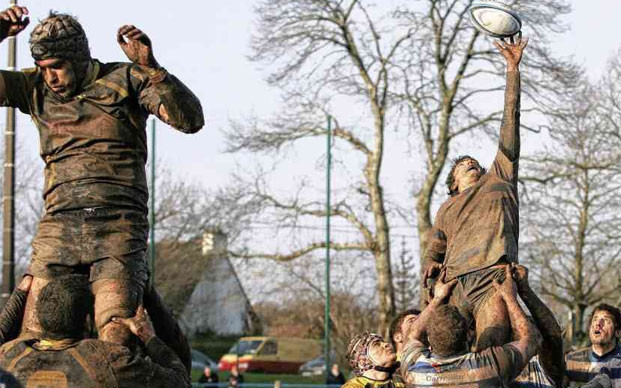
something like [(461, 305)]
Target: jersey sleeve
[(506, 162), (436, 243), (508, 360), (16, 89), (410, 354), (157, 89), (162, 369)]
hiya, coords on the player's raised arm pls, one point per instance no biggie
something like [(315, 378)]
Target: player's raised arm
[(13, 85), (509, 144), (13, 20), (164, 95)]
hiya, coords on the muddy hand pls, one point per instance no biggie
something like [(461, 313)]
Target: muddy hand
[(137, 46), (512, 50), (12, 21)]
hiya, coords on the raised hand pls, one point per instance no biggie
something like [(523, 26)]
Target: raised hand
[(12, 21), (140, 324), (512, 50), (137, 47)]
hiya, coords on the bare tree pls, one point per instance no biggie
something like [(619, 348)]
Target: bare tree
[(573, 198), (422, 62), (405, 280)]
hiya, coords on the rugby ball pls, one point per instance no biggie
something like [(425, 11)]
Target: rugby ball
[(494, 18)]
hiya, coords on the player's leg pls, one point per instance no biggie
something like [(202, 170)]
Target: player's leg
[(493, 327), (55, 252), (30, 322), (491, 320), (118, 285)]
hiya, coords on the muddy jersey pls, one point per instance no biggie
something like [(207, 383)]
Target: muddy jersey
[(90, 364), (584, 365), (533, 376), (491, 368), (94, 144), (479, 226)]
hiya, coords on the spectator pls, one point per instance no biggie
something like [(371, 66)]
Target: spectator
[(605, 351), (373, 361), (451, 364), (62, 355), (335, 377), (236, 380), (208, 377)]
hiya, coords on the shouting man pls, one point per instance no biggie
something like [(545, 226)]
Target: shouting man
[(91, 118), (476, 229), (604, 354)]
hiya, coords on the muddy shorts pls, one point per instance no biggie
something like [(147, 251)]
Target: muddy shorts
[(474, 289), (106, 243)]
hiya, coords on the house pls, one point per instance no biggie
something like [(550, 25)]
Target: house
[(198, 281)]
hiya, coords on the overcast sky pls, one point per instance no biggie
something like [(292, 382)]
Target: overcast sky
[(205, 44)]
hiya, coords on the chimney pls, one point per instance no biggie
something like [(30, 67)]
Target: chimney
[(214, 243)]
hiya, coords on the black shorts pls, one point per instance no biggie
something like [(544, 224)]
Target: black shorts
[(474, 289), (106, 243)]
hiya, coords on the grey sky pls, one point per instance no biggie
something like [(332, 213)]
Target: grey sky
[(205, 44)]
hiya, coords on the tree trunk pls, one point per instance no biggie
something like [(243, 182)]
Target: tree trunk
[(381, 248)]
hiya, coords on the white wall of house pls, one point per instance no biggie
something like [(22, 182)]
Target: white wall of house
[(218, 303)]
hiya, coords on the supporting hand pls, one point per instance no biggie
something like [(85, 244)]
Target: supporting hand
[(11, 22), (433, 270), (137, 47), (442, 288), (508, 288), (25, 284), (520, 275), (140, 324), (512, 51)]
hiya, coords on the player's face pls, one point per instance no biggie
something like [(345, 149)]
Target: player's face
[(382, 353), (467, 170), (407, 324), (59, 76), (602, 330)]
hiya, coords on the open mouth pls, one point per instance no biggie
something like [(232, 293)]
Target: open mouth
[(471, 168)]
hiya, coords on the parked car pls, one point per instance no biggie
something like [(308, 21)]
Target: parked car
[(200, 361), (315, 367), (270, 354)]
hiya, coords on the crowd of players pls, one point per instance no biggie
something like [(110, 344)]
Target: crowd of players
[(435, 347), (474, 332)]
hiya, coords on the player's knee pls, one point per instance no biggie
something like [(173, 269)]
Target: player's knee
[(115, 298)]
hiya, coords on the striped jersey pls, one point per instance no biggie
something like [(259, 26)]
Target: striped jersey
[(491, 368), (533, 376), (583, 365)]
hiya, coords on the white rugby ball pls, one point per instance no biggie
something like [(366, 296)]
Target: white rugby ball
[(494, 18)]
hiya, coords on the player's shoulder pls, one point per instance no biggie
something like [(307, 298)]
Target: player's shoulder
[(114, 69), (356, 382)]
